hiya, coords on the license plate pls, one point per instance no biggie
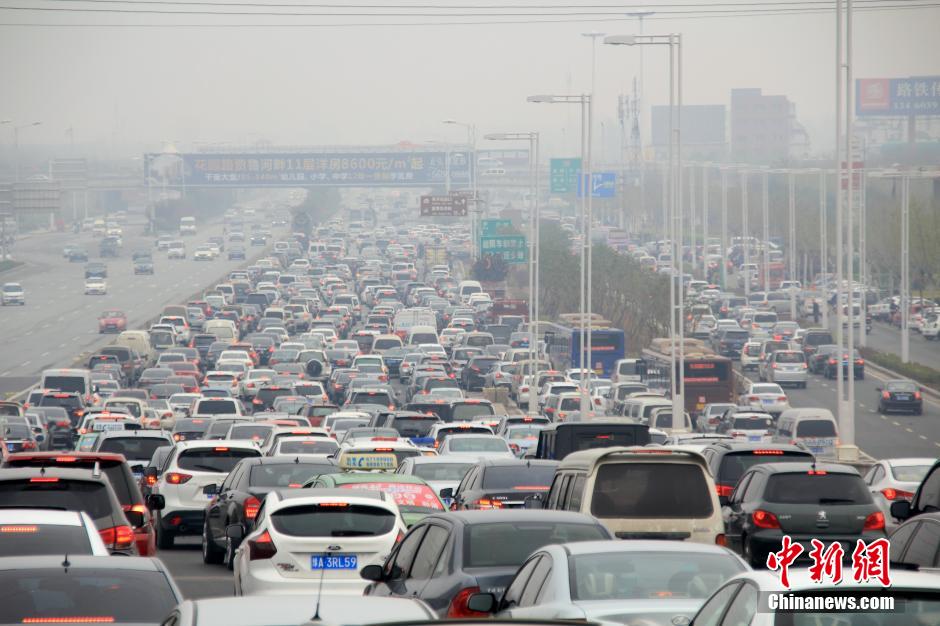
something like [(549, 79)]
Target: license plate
[(754, 438), (903, 396), (334, 561), (768, 401)]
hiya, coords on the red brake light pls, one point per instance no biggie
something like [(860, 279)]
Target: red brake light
[(44, 479), (97, 619), (817, 472), (261, 548), (767, 452), (724, 490), (176, 478), (19, 529), (251, 506), (118, 537), (765, 519), (875, 521), (458, 606)]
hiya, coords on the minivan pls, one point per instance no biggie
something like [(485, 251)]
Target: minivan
[(68, 380), (816, 429), (468, 288), (558, 440), (421, 334), (641, 493)]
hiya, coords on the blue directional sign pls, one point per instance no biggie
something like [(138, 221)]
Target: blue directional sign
[(603, 185)]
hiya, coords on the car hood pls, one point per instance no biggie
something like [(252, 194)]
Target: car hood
[(647, 612)]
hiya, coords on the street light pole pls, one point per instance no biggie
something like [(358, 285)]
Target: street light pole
[(724, 228), (823, 243), (472, 179), (16, 147), (791, 237), (705, 221), (745, 236), (765, 219)]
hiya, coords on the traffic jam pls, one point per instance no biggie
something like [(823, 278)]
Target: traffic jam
[(350, 429)]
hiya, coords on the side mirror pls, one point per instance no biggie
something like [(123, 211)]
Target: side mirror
[(211, 490), (135, 518), (901, 510), (534, 502), (375, 573), (482, 602), (156, 502), (447, 492), (235, 532)]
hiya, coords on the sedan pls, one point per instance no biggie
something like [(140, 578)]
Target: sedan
[(96, 287), (622, 582), (891, 480), (479, 446), (900, 395), (767, 397)]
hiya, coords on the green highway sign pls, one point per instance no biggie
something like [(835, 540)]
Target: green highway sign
[(513, 248), (563, 176), (493, 227)]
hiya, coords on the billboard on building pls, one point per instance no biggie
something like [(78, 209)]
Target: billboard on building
[(899, 97)]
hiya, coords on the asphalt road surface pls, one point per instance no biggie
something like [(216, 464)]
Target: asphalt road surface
[(59, 323)]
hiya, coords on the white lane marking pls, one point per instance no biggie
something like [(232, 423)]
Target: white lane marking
[(909, 430), (44, 354), (26, 362), (861, 405), (61, 345), (6, 373), (895, 423), (884, 417), (922, 437)]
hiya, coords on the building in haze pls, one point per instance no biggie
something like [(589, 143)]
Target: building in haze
[(764, 129)]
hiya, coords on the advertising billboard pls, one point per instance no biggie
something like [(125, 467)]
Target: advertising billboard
[(899, 97)]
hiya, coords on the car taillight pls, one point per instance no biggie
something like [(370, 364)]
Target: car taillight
[(29, 445), (118, 537), (887, 396), (724, 490), (893, 494), (176, 478), (917, 395), (781, 398), (875, 521), (458, 606), (765, 519), (261, 548), (151, 480), (251, 506), (832, 361)]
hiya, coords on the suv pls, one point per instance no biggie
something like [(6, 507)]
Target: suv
[(188, 481), (116, 469), (728, 460), (804, 501), (72, 490)]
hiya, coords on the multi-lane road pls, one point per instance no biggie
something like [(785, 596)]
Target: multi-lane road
[(59, 323)]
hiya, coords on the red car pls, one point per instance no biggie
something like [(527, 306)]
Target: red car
[(112, 321), (119, 474)]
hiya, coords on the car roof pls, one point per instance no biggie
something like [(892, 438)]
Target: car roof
[(586, 459), (40, 516), (139, 563), (642, 545), (347, 478), (470, 518)]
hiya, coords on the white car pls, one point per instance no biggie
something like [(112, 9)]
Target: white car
[(303, 447), (480, 446), (438, 472), (750, 356), (321, 537), (890, 480), (32, 532), (176, 250), (749, 426), (767, 397), (203, 253), (96, 287), (13, 294), (190, 479)]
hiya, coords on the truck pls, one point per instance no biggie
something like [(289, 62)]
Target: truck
[(187, 225)]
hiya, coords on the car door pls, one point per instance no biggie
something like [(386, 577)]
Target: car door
[(398, 565), (715, 608), (513, 593), (733, 514), (217, 509), (461, 493), (529, 607), (923, 549), (427, 578)]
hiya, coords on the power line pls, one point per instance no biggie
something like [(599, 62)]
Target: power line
[(618, 8)]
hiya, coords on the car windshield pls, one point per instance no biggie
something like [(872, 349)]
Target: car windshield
[(414, 426), (219, 459), (902, 387), (734, 464), (307, 446), (441, 471), (56, 595), (134, 448), (660, 490), (789, 357), (816, 428), (657, 576), (508, 544), (817, 487), (466, 412), (524, 432), (766, 389), (287, 475), (55, 493), (752, 423), (477, 444)]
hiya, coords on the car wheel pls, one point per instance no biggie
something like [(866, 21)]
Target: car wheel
[(210, 552), (165, 538), (752, 559)]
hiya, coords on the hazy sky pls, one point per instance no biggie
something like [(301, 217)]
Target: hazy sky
[(383, 84)]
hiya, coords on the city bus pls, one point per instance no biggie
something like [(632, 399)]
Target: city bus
[(709, 378), (563, 344)]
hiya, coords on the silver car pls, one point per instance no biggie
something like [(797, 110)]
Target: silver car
[(786, 367), (890, 480)]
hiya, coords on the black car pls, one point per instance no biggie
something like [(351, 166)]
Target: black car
[(831, 366), (446, 558), (900, 395), (240, 496), (472, 375), (72, 490), (143, 264), (18, 437), (730, 342), (109, 246), (77, 255), (915, 544), (258, 240), (728, 460), (803, 500), (236, 253), (502, 484), (816, 360), (264, 399), (96, 270)]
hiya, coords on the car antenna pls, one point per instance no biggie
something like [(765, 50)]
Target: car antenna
[(296, 459), (316, 611), (65, 563)]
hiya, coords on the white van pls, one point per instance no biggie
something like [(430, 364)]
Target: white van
[(468, 288), (816, 429), (627, 370), (137, 340), (68, 380), (223, 329), (671, 494), (187, 226), (421, 334), (641, 409)]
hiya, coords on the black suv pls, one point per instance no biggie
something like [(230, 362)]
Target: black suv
[(728, 460)]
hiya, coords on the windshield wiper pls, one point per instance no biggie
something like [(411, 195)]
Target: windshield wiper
[(836, 500), (350, 533)]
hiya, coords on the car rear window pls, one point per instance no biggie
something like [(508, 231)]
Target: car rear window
[(816, 428), (507, 544), (55, 493), (789, 357), (519, 477), (410, 497), (441, 471), (216, 407), (466, 412), (333, 519), (220, 459), (816, 488), (134, 448), (36, 539), (736, 335), (753, 423), (414, 426), (65, 383), (478, 444), (287, 474), (307, 446), (106, 595), (734, 464), (651, 490)]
